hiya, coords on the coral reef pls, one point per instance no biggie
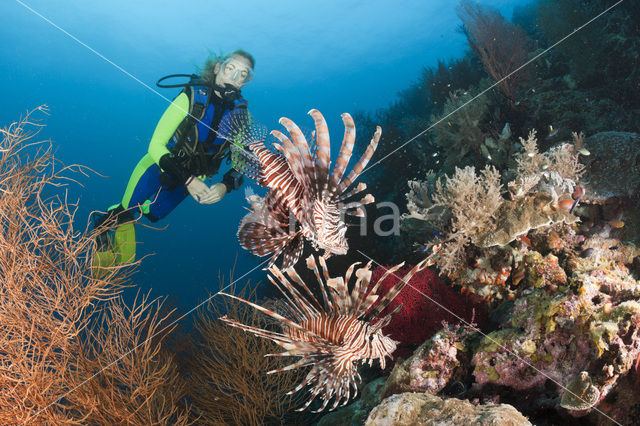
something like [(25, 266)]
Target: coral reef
[(613, 167), (479, 226), (578, 329), (425, 409)]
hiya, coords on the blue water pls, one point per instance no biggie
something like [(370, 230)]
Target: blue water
[(333, 56)]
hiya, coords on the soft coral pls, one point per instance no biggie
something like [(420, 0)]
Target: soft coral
[(426, 302)]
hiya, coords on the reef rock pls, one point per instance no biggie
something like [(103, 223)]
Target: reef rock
[(425, 409), (582, 335), (356, 413), (431, 367)]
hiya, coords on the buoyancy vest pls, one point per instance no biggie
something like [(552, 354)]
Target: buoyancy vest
[(195, 143)]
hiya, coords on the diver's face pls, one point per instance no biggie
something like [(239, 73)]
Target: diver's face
[(235, 71)]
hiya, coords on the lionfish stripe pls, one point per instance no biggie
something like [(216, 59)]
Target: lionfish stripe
[(260, 240), (290, 152), (323, 151), (383, 277), (363, 277), (278, 176), (345, 152), (292, 251), (361, 164)]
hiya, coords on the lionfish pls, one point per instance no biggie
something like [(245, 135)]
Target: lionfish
[(305, 198), (334, 336)]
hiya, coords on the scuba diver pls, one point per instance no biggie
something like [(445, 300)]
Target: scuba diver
[(184, 150)]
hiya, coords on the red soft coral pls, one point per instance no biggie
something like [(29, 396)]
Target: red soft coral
[(421, 316)]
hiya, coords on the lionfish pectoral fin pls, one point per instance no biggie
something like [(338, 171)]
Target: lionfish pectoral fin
[(292, 251)]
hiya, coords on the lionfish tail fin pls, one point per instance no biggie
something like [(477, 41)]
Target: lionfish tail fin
[(246, 162), (241, 130)]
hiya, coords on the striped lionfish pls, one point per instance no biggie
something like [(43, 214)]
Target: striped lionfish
[(305, 197), (331, 339)]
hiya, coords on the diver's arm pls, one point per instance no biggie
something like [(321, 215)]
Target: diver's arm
[(166, 127)]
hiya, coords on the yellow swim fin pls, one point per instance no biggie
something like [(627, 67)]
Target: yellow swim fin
[(122, 250), (125, 243)]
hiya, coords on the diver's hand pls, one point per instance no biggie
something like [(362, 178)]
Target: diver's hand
[(216, 192), (198, 190)]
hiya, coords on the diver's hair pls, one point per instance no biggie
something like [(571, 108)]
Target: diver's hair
[(208, 74)]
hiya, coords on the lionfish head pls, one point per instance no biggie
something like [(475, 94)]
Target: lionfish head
[(330, 228), (379, 346)]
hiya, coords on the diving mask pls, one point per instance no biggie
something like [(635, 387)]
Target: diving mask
[(236, 71)]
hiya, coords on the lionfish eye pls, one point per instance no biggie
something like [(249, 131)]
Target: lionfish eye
[(371, 338)]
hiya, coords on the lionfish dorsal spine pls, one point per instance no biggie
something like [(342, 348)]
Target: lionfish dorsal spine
[(344, 156), (323, 152), (287, 149), (268, 312), (359, 293), (353, 191), (293, 274), (300, 299), (299, 309), (313, 265), (361, 164), (300, 143), (343, 301), (384, 276), (293, 157)]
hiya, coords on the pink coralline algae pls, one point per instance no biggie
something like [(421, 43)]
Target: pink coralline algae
[(580, 330), (426, 302), (436, 363)]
